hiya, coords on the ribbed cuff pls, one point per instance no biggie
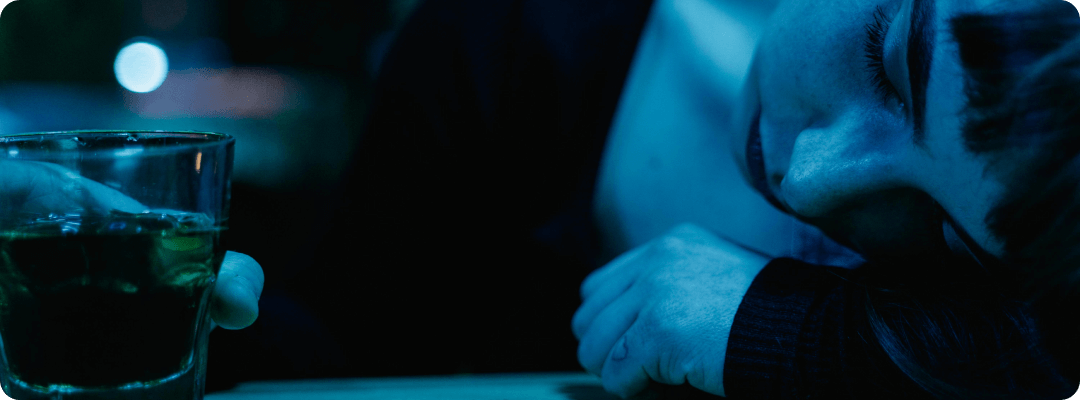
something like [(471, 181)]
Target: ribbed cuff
[(760, 361)]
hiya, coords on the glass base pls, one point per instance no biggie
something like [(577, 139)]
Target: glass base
[(187, 385)]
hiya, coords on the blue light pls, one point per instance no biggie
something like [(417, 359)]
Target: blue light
[(141, 67)]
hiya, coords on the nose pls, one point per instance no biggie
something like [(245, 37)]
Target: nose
[(777, 131), (826, 141), (841, 162)]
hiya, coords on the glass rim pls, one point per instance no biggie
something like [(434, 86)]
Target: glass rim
[(213, 139)]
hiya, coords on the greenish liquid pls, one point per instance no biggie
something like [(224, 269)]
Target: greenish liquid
[(95, 302)]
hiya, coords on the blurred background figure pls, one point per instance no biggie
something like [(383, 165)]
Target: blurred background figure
[(287, 79)]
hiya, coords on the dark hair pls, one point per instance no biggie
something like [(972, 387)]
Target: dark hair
[(1023, 89)]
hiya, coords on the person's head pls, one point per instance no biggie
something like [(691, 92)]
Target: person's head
[(917, 131), (881, 119)]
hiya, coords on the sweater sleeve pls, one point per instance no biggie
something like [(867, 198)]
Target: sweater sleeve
[(802, 331)]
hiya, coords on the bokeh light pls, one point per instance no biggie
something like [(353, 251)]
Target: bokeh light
[(141, 67), (1075, 3)]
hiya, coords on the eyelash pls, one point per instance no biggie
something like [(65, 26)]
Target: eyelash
[(874, 47)]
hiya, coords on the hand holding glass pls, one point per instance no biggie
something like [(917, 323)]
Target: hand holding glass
[(109, 253)]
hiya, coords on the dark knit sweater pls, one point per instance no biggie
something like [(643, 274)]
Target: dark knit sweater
[(472, 195), (802, 331)]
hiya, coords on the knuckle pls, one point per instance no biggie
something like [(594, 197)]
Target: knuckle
[(682, 369)]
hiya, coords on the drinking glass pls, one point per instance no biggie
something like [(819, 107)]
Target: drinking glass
[(109, 251)]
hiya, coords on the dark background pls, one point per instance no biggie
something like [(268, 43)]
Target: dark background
[(291, 81)]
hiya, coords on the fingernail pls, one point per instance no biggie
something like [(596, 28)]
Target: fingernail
[(620, 350)]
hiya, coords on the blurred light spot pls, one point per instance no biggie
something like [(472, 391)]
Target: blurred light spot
[(198, 162), (3, 5), (1075, 4), (13, 152), (164, 15), (141, 67)]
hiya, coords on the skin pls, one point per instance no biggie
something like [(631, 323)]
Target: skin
[(662, 312), (836, 155), (44, 188)]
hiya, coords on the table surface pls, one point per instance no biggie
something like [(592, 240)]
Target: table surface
[(516, 386)]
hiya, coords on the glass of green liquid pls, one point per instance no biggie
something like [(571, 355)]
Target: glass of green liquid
[(109, 251)]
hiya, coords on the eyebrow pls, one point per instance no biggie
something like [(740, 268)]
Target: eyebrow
[(920, 54)]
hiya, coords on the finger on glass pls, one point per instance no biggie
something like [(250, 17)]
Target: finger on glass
[(236, 298), (110, 247)]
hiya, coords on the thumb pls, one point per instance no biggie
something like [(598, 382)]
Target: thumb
[(235, 303)]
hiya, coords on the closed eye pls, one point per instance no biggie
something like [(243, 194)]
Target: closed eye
[(874, 48)]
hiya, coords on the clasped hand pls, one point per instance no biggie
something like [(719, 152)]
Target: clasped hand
[(662, 312), (44, 188)]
